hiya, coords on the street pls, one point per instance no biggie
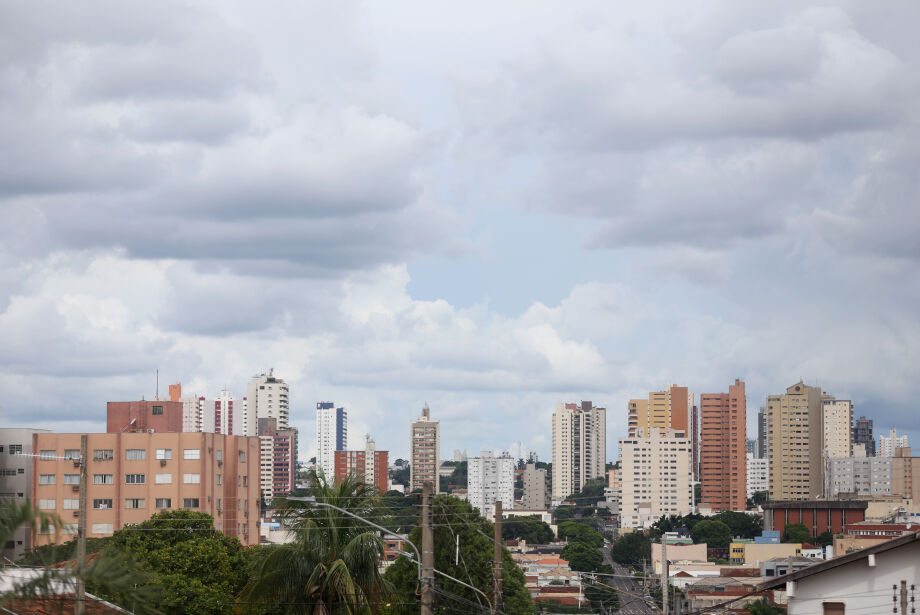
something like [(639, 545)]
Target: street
[(631, 592)]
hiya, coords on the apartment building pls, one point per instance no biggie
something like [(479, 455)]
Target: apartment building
[(16, 482), (490, 479), (154, 416), (887, 445), (277, 459), (424, 451), (579, 447), (331, 435), (223, 414), (536, 492), (838, 428), (655, 475), (191, 407), (671, 408), (370, 465), (758, 475), (761, 450), (267, 397), (723, 466), (132, 475), (860, 476), (795, 439), (862, 434)]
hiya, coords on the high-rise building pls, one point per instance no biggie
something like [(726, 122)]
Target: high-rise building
[(133, 474), (424, 451), (278, 459), (266, 398), (221, 415), (859, 476), (579, 447), (331, 436), (761, 433), (862, 434), (370, 465), (838, 422), (670, 408), (758, 478), (489, 479), (536, 494), (191, 408), (795, 439), (656, 477), (723, 469), (16, 481), (750, 446), (888, 445)]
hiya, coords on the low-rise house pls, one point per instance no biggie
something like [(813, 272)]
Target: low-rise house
[(863, 581), (711, 591), (783, 565)]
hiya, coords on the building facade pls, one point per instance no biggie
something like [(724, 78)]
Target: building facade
[(331, 435), (132, 475), (761, 434), (277, 459), (224, 414), (16, 481), (490, 478), (860, 476), (723, 467), (656, 477), (536, 493), (579, 447), (424, 451), (838, 431), (370, 465), (758, 475), (795, 438), (887, 445), (862, 434), (267, 397)]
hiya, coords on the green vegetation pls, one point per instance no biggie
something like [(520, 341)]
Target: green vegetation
[(575, 531), (740, 525), (631, 549), (715, 534), (758, 499), (582, 557), (531, 529), (763, 607), (797, 532)]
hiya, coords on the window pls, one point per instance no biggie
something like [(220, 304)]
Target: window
[(191, 479), (220, 455), (102, 528), (164, 453), (71, 453), (46, 479), (103, 454), (102, 503), (48, 504), (135, 479), (245, 481), (134, 502), (135, 454), (190, 503), (220, 479), (7, 472), (69, 528), (71, 504), (157, 410), (191, 453), (103, 479), (163, 503), (15, 449), (71, 479), (163, 479), (46, 455), (242, 456)]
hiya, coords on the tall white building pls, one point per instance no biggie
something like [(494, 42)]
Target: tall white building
[(331, 436), (838, 428), (579, 447), (490, 479), (656, 475), (887, 445), (758, 474), (266, 398), (223, 414)]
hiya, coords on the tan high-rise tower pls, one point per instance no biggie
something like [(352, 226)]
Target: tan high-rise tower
[(579, 447), (424, 451), (795, 439), (723, 466)]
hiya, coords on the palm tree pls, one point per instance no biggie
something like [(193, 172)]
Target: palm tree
[(331, 566)]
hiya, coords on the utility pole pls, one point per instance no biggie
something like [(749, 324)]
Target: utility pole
[(664, 576), (644, 576), (497, 559), (80, 589), (427, 552), (903, 597)]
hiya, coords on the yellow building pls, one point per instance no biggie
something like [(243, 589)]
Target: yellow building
[(753, 553)]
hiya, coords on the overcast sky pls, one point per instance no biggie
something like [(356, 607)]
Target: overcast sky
[(488, 207)]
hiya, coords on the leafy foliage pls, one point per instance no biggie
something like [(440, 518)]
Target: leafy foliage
[(563, 512), (575, 531), (604, 599), (797, 532), (763, 607), (824, 539), (582, 557), (531, 529), (715, 534), (631, 549)]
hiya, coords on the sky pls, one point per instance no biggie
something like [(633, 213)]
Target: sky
[(486, 207)]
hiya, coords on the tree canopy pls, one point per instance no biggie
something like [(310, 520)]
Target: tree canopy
[(631, 549), (796, 532), (582, 557), (531, 529), (715, 534)]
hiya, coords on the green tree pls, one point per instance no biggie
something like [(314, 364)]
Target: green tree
[(603, 598), (400, 512), (824, 539), (563, 512), (758, 498), (455, 519), (574, 531), (631, 549), (741, 524), (582, 557), (531, 529), (796, 532), (764, 607), (331, 566), (714, 533)]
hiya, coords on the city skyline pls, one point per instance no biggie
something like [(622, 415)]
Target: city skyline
[(456, 206)]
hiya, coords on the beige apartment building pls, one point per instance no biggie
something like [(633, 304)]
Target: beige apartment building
[(536, 496), (579, 447), (838, 428), (795, 443), (131, 476), (670, 408), (656, 477), (424, 451)]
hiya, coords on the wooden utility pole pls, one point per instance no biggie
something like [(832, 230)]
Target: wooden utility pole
[(903, 597), (664, 576), (427, 552), (497, 560), (80, 589)]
